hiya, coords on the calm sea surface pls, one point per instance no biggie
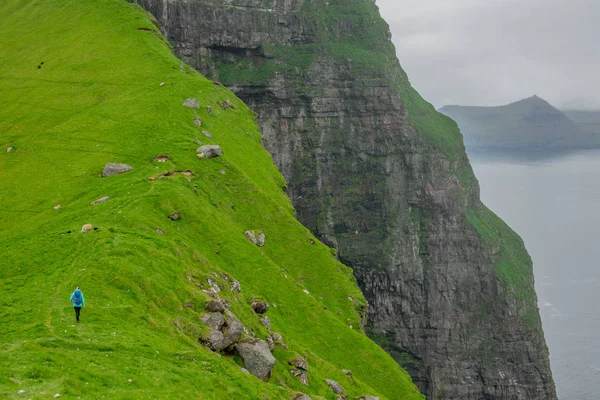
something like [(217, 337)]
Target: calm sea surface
[(555, 206)]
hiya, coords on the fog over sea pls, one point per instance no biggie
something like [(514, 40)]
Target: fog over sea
[(554, 204)]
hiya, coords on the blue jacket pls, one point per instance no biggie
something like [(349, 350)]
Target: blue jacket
[(82, 303)]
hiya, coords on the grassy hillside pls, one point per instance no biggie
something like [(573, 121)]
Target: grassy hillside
[(80, 86)]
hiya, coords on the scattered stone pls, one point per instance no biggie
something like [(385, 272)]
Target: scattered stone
[(351, 298), (191, 103), (175, 216), (162, 84), (57, 395), (20, 392), (111, 169), (236, 285), (100, 200), (57, 207), (271, 343), (301, 396), (367, 397), (266, 322), (260, 239), (209, 110), (198, 121), (8, 150), (348, 372), (160, 231), (216, 320), (162, 158), (188, 304), (301, 375), (222, 171), (217, 83), (250, 236), (257, 357), (209, 151), (214, 306), (152, 178), (276, 336), (207, 134), (312, 241), (259, 307), (244, 370), (335, 387), (182, 68), (226, 104), (299, 362), (87, 228)]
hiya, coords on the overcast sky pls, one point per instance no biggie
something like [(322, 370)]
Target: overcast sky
[(492, 52)]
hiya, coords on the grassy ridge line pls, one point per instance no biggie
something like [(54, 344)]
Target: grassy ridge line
[(97, 99)]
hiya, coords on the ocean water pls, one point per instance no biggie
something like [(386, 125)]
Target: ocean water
[(554, 204)]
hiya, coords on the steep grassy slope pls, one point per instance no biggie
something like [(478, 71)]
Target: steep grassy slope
[(375, 171), (80, 87)]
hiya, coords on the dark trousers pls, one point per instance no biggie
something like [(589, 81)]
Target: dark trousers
[(77, 311)]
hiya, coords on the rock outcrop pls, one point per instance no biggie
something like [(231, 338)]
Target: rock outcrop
[(374, 171), (111, 169)]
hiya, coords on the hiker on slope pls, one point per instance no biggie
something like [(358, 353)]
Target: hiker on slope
[(78, 301)]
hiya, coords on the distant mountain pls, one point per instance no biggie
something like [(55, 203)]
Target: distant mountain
[(589, 121), (529, 126)]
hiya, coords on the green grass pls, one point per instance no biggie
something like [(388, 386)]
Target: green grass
[(96, 99)]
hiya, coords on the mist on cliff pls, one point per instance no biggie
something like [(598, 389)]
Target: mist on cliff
[(473, 52)]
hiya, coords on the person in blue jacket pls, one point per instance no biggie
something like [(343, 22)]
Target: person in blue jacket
[(78, 301)]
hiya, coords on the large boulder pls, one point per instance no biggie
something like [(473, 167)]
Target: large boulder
[(367, 397), (257, 357), (111, 169), (209, 151), (223, 332)]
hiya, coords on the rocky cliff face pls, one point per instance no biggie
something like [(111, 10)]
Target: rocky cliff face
[(376, 172)]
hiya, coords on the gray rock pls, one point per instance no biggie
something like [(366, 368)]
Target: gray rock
[(266, 322), (198, 121), (367, 397), (226, 104), (215, 305), (276, 336), (111, 169), (233, 329), (347, 372), (271, 343), (223, 333), (301, 396), (209, 151), (235, 285), (161, 84), (335, 387), (100, 200), (257, 357), (209, 110), (299, 362), (57, 207), (260, 239), (20, 392), (8, 150), (244, 370), (191, 103), (160, 231), (175, 216), (57, 395), (207, 134), (215, 320), (250, 236)]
